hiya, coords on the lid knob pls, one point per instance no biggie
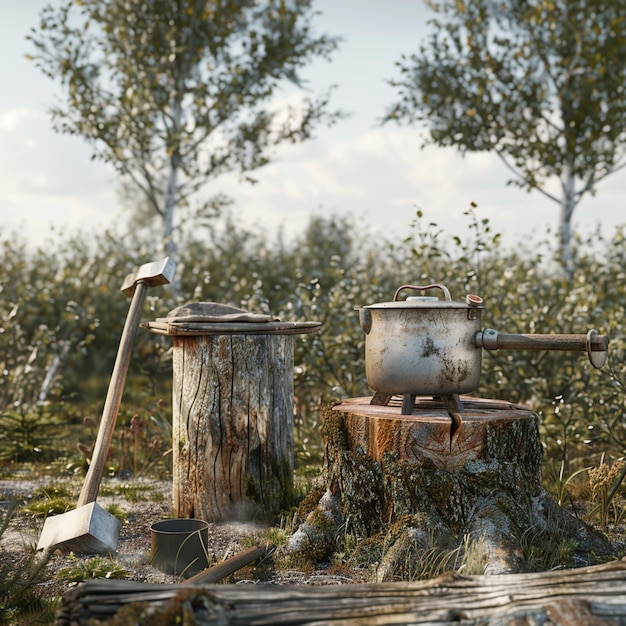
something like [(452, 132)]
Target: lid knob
[(473, 300)]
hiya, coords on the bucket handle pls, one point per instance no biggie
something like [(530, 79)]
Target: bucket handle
[(446, 293)]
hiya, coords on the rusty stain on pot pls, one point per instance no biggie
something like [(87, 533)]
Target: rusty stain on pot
[(429, 348), (454, 372)]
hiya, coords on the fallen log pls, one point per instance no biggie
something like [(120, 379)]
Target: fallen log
[(222, 570), (589, 596), (109, 604)]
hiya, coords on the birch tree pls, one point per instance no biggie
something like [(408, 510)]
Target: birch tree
[(539, 83), (174, 93)]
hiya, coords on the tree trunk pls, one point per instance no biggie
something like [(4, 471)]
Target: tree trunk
[(416, 485), (568, 204), (233, 425), (170, 243)]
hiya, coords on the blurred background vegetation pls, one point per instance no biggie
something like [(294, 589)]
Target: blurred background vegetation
[(62, 314)]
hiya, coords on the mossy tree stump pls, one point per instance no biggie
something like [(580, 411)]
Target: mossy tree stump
[(415, 483)]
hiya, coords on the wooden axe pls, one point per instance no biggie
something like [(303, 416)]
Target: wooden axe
[(89, 529)]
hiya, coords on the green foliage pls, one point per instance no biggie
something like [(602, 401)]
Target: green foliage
[(175, 94), (61, 317), (323, 274), (27, 436), (80, 569), (540, 84), (117, 511), (52, 499)]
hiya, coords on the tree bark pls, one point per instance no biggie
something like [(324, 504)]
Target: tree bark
[(416, 485), (568, 204), (232, 425), (589, 596)]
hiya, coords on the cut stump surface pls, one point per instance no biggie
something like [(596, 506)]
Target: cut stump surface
[(427, 433)]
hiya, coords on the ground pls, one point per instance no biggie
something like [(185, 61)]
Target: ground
[(151, 501), (143, 502)]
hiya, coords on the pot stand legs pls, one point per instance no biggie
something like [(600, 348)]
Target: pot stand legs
[(408, 403), (452, 402)]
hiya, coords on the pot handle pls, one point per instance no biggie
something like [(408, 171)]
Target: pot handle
[(596, 346), (446, 293)]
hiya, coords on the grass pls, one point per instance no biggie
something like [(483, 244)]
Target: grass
[(131, 492), (547, 549), (19, 601), (79, 570), (416, 562)]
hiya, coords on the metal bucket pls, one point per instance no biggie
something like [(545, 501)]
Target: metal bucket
[(179, 546)]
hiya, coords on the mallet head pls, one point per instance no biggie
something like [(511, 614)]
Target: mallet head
[(88, 529), (152, 274)]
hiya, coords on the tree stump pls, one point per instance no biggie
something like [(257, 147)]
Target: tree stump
[(232, 411), (232, 425), (416, 484)]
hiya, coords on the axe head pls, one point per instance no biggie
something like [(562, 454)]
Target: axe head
[(152, 274)]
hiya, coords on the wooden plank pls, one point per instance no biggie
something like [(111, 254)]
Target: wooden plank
[(231, 328)]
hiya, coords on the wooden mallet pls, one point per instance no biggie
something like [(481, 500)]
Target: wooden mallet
[(89, 529)]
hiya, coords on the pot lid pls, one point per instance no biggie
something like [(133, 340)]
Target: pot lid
[(416, 303), (428, 302)]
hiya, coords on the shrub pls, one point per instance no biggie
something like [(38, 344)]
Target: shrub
[(64, 313)]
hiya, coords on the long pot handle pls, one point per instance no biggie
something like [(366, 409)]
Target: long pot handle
[(596, 346), (446, 292)]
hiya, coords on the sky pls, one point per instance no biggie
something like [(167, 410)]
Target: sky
[(377, 175)]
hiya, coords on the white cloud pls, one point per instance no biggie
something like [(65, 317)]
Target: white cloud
[(35, 159), (48, 179), (381, 177)]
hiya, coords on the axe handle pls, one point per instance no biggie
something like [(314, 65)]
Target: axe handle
[(89, 492)]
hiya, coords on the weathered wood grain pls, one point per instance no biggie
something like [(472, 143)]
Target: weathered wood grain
[(228, 328), (232, 425), (590, 596), (426, 434)]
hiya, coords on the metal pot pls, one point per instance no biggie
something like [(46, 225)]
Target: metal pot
[(427, 346)]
